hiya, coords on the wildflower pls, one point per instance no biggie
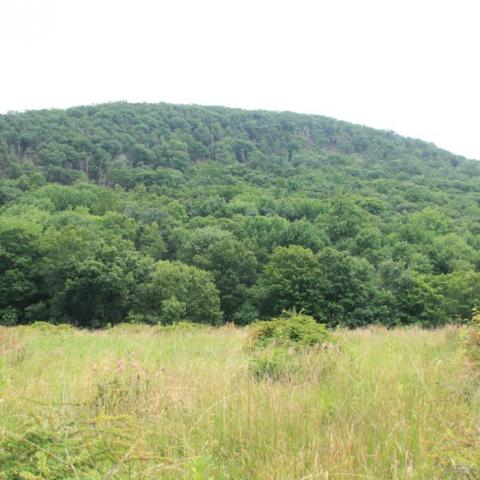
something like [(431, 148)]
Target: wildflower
[(121, 365)]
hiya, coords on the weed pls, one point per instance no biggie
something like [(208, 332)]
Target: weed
[(125, 390)]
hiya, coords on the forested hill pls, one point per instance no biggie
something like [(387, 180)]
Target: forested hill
[(101, 141), (158, 213)]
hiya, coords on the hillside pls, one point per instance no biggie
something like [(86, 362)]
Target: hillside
[(157, 213)]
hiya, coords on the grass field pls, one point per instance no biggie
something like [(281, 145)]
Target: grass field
[(155, 403)]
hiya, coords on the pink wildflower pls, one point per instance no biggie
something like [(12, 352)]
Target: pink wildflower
[(121, 365)]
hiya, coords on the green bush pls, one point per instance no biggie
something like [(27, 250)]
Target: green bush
[(8, 317), (291, 329), (278, 345)]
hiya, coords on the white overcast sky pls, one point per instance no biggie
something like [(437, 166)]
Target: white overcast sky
[(403, 65)]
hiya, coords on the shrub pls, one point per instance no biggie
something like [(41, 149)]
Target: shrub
[(8, 317), (291, 329), (278, 346)]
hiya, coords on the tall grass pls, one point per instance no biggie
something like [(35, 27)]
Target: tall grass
[(155, 403)]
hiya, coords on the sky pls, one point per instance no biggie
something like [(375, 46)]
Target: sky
[(411, 66)]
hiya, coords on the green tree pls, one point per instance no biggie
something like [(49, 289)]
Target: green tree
[(290, 281), (184, 289), (347, 289), (20, 278), (233, 267)]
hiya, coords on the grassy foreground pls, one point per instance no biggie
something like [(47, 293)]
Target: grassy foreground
[(154, 403)]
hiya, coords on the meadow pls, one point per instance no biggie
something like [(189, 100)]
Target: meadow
[(139, 402)]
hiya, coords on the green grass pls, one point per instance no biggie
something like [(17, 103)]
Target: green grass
[(181, 403)]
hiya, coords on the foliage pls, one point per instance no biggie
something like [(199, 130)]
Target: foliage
[(332, 286), (275, 344), (178, 292), (52, 450), (291, 329), (268, 210)]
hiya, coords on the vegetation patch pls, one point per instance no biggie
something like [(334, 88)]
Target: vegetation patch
[(50, 328), (125, 390), (126, 327), (182, 326), (52, 450), (279, 347), (290, 330), (12, 348), (187, 405), (472, 343)]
